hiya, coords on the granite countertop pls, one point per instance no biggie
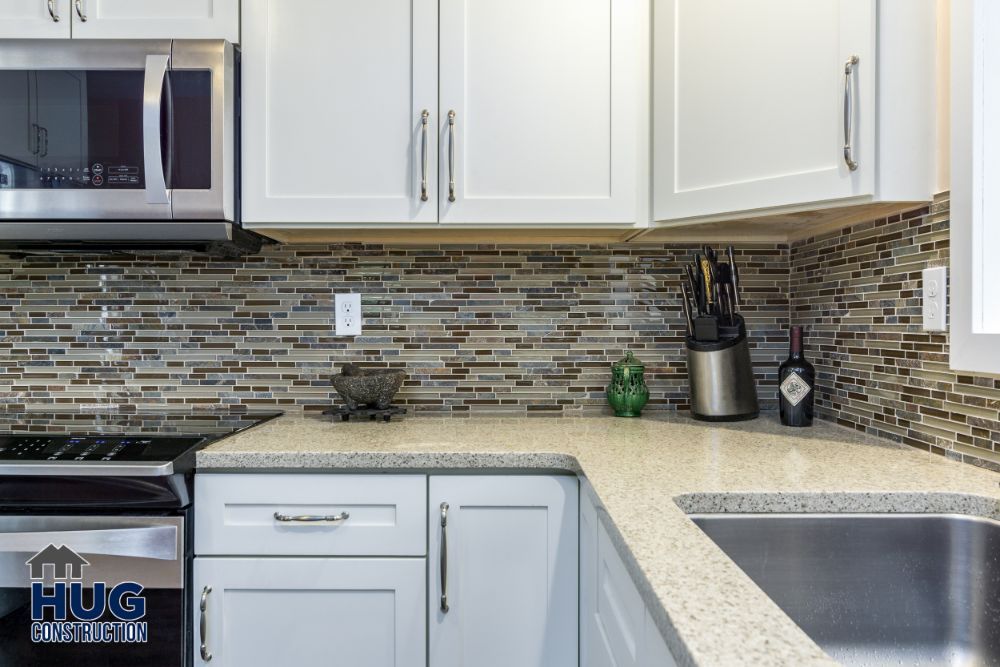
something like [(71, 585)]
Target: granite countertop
[(646, 474)]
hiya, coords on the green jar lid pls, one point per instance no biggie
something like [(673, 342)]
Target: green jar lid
[(629, 362)]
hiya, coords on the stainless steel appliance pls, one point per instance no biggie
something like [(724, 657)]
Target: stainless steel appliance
[(119, 142), (99, 501), (876, 589)]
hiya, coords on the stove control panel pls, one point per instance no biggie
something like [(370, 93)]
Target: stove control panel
[(92, 447)]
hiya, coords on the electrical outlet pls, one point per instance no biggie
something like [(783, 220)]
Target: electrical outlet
[(935, 298), (347, 314)]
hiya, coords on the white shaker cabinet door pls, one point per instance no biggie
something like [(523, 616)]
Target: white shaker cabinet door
[(655, 652), (616, 629), (754, 103), (157, 19), (334, 95), (503, 571), (309, 612), (35, 19), (550, 111)]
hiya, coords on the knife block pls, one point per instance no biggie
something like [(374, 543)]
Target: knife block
[(721, 380)]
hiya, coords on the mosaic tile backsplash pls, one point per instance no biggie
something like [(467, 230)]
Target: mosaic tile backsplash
[(523, 330), (857, 292)]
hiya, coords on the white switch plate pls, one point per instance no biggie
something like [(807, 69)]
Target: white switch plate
[(935, 298), (348, 314)]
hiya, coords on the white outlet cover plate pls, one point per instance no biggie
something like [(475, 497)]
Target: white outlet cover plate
[(934, 299), (347, 318)]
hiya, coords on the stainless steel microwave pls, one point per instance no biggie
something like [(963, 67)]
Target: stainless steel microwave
[(118, 142)]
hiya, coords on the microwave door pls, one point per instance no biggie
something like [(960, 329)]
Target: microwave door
[(201, 130), (78, 146)]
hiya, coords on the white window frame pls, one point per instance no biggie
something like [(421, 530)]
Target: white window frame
[(975, 186)]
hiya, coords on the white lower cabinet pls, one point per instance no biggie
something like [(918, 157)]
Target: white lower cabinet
[(310, 570), (262, 612), (655, 652), (615, 626), (502, 560), (315, 570)]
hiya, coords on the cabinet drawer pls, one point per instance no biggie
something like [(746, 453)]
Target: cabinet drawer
[(260, 514)]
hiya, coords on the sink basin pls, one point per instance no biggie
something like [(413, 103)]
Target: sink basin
[(876, 589)]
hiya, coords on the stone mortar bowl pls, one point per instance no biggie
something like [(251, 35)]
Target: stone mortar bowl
[(367, 388)]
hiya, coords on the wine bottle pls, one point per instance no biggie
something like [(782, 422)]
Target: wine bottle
[(797, 379)]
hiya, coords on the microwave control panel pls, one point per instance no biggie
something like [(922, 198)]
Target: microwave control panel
[(97, 175)]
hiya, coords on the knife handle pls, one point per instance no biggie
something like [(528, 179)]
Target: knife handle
[(706, 270)]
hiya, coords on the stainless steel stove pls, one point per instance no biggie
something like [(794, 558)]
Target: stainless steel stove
[(150, 444), (91, 504)]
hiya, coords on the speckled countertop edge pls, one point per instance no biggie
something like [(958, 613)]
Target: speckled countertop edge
[(707, 609)]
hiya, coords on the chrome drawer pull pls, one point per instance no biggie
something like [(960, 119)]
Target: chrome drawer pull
[(849, 113), (312, 518), (206, 655), (80, 12), (451, 155), (52, 11), (444, 557), (424, 118)]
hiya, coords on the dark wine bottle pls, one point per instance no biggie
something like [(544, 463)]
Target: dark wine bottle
[(797, 379)]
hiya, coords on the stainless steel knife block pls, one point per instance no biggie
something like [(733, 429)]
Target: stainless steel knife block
[(720, 375)]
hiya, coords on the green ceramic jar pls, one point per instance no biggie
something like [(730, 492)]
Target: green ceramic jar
[(627, 393)]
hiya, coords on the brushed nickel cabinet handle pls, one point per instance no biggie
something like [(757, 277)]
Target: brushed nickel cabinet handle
[(80, 11), (444, 557), (206, 655), (312, 518), (451, 155), (849, 67), (53, 12), (424, 120)]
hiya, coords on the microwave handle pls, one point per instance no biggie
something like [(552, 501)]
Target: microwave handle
[(152, 102)]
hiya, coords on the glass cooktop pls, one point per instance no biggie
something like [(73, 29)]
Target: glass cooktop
[(109, 437)]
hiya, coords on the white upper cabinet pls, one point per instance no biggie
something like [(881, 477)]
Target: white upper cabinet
[(503, 571), (334, 95), (120, 19), (550, 102), (541, 117), (778, 104), (975, 171), (35, 19), (157, 19)]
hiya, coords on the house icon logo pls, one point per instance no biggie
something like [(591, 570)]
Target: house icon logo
[(65, 563), (65, 609)]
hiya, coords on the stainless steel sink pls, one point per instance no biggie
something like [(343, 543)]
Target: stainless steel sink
[(876, 589)]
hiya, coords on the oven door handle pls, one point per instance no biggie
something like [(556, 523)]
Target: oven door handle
[(159, 542), (152, 103)]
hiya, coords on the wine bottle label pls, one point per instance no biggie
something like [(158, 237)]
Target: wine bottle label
[(794, 388)]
